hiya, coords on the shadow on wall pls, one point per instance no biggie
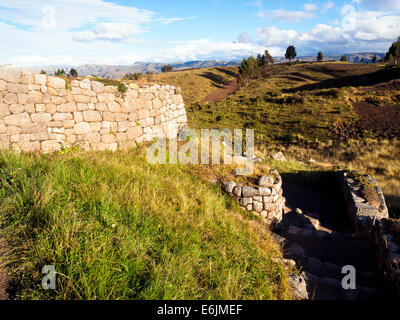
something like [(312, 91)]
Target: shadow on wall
[(319, 193), (393, 204)]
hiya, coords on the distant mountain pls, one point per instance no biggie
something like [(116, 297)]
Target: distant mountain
[(117, 72), (351, 57)]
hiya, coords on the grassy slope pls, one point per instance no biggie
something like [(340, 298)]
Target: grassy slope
[(198, 83), (115, 227), (302, 122)]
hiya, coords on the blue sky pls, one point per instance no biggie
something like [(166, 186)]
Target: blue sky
[(44, 32)]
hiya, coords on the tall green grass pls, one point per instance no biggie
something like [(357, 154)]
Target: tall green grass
[(115, 227)]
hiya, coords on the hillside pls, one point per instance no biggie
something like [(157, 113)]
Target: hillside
[(330, 112), (197, 83), (119, 71)]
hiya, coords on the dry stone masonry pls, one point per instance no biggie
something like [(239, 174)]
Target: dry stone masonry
[(373, 223), (266, 199), (43, 113), (358, 207)]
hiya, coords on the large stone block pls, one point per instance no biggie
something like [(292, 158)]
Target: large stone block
[(134, 132), (58, 100), (82, 128), (92, 116), (40, 79), (248, 192), (144, 113), (35, 97), (18, 120), (81, 98), (41, 117), (67, 107), (108, 138), (55, 83), (108, 116), (106, 97), (17, 88), (85, 84), (97, 87), (4, 110), (50, 146), (10, 98), (17, 108), (177, 99), (10, 75), (22, 98), (30, 146), (3, 85), (114, 107)]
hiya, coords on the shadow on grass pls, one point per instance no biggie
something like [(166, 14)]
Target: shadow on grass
[(218, 80), (227, 72), (367, 79)]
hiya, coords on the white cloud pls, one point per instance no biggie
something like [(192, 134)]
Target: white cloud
[(69, 30), (72, 14), (310, 7), (255, 4), (245, 38), (390, 5), (170, 20), (109, 32), (357, 31), (285, 15), (326, 6), (273, 36), (205, 49)]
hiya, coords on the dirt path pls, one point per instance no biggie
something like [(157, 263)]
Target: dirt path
[(3, 276), (222, 93)]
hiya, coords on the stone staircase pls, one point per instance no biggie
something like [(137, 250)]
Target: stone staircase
[(321, 253)]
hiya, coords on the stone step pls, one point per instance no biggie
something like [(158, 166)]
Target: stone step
[(325, 288), (334, 271)]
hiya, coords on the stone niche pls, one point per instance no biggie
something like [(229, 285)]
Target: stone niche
[(40, 113), (266, 199)]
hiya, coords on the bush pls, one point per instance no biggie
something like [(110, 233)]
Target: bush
[(122, 87)]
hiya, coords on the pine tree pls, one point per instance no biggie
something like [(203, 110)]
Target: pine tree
[(343, 59), (73, 72), (290, 53), (320, 56), (393, 55), (269, 57)]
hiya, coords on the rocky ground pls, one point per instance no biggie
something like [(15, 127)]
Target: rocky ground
[(314, 235)]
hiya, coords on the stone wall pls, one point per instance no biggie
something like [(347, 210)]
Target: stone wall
[(373, 222), (44, 113), (358, 208), (266, 199)]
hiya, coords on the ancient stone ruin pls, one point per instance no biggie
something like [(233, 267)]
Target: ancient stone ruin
[(266, 199), (358, 205), (43, 113), (372, 222)]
